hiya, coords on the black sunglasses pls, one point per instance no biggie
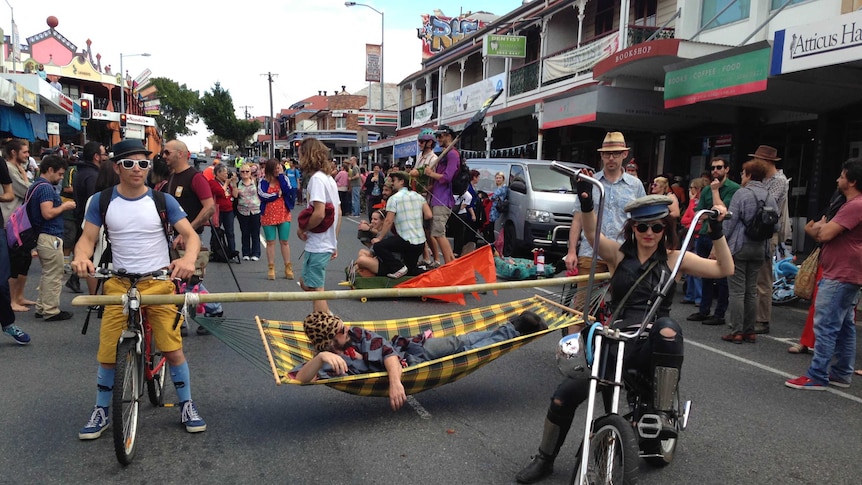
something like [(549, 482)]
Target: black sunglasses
[(718, 167), (656, 227)]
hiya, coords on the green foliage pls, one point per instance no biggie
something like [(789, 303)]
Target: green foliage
[(178, 104), (217, 111)]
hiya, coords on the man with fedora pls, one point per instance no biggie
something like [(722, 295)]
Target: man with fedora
[(776, 184), (620, 189), (138, 245)]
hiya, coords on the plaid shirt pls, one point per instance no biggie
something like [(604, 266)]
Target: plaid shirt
[(407, 206)]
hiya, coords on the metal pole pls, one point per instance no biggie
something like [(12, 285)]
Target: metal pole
[(12, 37), (381, 60), (122, 86), (271, 121)]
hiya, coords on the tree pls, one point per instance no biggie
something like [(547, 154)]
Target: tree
[(217, 111), (177, 105)]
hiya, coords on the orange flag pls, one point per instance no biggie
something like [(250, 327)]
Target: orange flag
[(461, 271)]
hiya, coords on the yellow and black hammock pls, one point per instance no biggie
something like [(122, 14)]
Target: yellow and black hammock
[(285, 346)]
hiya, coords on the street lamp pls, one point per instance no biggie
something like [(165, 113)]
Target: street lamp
[(354, 4), (123, 78)]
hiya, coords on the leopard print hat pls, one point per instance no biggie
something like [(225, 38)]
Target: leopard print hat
[(320, 328)]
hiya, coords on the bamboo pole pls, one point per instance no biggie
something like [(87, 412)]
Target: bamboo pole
[(87, 300)]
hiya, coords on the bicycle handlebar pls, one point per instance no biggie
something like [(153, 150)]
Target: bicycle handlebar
[(104, 273)]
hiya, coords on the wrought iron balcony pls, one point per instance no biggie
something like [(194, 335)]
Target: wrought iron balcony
[(524, 78)]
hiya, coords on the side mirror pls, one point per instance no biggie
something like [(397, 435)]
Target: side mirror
[(518, 186)]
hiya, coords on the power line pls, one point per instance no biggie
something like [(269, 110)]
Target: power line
[(246, 108)]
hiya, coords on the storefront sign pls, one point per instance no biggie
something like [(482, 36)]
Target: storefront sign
[(729, 76), (422, 114), (834, 41), (637, 52), (579, 60), (26, 98), (504, 46), (404, 150), (103, 115), (574, 110), (470, 98), (140, 120)]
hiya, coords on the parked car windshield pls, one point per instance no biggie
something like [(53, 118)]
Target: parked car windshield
[(546, 180)]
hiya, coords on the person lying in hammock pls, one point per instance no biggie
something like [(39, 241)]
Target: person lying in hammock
[(353, 350)]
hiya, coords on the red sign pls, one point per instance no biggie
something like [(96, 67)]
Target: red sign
[(645, 50), (723, 141)]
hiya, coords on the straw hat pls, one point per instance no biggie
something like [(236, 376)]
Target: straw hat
[(614, 142)]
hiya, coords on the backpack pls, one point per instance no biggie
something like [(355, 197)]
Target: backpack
[(461, 180), (764, 223), (20, 232), (105, 201)]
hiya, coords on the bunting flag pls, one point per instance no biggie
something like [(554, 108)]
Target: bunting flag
[(461, 271)]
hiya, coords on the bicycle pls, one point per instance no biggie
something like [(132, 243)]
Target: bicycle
[(138, 362), (613, 443)]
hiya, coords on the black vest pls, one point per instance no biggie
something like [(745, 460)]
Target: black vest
[(180, 186)]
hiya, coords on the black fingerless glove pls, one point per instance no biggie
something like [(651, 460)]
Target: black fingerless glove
[(715, 230), (584, 187)]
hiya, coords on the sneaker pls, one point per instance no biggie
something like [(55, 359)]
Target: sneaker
[(74, 284), (805, 383), (255, 258), (190, 417), (401, 272), (245, 258), (63, 315), (761, 328), (202, 331), (838, 382), (18, 334), (697, 317), (98, 422)]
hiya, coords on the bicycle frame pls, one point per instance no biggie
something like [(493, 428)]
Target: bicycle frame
[(598, 366)]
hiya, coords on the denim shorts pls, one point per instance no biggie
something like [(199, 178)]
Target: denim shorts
[(314, 269)]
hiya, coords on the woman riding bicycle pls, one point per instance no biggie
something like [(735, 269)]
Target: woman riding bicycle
[(636, 267)]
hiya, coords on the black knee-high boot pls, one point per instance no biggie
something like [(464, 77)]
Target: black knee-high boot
[(542, 464)]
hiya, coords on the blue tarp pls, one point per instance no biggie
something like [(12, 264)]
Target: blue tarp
[(16, 124)]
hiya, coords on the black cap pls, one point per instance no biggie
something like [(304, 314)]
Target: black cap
[(128, 147)]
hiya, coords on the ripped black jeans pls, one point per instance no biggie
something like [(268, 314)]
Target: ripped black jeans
[(642, 355)]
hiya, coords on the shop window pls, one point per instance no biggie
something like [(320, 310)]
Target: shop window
[(645, 11), (776, 4), (604, 16), (739, 10)]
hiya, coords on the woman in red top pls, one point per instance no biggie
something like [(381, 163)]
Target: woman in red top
[(275, 205), (224, 191)]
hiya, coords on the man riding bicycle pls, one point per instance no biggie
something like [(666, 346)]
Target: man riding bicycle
[(139, 244)]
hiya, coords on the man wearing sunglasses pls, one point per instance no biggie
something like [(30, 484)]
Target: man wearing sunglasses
[(720, 189), (138, 245)]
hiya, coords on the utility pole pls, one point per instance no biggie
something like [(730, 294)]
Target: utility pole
[(269, 77), (246, 108)]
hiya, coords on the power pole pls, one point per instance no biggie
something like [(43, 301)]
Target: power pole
[(269, 77), (246, 108)]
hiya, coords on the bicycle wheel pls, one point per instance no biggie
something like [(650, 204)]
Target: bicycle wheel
[(127, 391), (613, 453), (155, 387)]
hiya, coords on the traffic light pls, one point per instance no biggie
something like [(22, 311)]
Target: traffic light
[(86, 109), (296, 145), (123, 119)]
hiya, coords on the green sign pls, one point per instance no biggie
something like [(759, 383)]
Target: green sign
[(731, 76), (504, 46)]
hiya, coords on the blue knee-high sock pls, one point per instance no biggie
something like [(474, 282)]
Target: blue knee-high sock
[(105, 386), (180, 376)]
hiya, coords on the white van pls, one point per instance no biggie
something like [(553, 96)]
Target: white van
[(541, 202)]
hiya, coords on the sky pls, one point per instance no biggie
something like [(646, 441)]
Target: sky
[(312, 45)]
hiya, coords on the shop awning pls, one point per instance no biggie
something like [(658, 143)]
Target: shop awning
[(16, 124), (648, 59)]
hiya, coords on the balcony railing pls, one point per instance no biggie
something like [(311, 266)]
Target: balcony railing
[(638, 34), (524, 78)]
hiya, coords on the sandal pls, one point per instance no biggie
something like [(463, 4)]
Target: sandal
[(858, 372), (798, 349)]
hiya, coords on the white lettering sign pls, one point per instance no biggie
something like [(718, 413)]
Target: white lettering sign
[(834, 41)]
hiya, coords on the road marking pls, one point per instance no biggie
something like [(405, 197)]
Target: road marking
[(767, 368), (418, 408)]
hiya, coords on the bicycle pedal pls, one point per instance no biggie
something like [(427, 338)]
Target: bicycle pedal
[(649, 426)]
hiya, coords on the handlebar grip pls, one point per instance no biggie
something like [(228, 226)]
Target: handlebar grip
[(713, 216)]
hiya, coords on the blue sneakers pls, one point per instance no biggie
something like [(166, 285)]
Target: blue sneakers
[(190, 417), (98, 422), (16, 333)]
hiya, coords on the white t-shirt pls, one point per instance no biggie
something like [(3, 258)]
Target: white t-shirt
[(463, 202), (138, 242), (322, 188)]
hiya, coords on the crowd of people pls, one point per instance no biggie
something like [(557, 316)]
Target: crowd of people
[(411, 215)]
